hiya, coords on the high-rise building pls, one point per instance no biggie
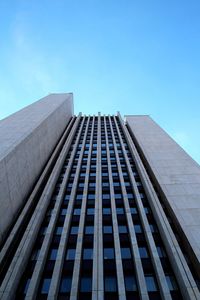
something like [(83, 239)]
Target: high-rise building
[(95, 207)]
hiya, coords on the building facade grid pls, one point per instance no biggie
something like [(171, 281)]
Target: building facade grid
[(99, 230)]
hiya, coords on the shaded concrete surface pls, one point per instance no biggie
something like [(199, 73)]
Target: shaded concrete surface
[(27, 139)]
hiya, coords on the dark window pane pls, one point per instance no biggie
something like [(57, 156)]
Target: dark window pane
[(88, 253), (110, 284), (143, 252), (106, 196), (64, 212), (151, 283), (122, 229), (77, 211), (138, 228), (130, 284), (71, 254), (106, 211), (126, 253), (59, 230), (107, 229), (120, 210), (35, 254), (45, 285), (161, 251), (90, 211), (133, 210), (26, 285), (171, 283), (153, 228), (53, 254), (86, 284), (65, 285), (74, 230), (89, 229), (109, 253)]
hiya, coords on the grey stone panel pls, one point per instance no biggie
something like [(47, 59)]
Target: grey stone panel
[(176, 172), (27, 139)]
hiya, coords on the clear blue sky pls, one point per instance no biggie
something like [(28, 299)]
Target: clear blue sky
[(136, 57)]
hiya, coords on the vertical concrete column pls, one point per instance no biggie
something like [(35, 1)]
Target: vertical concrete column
[(183, 275), (79, 245), (16, 233), (54, 286), (164, 290), (36, 276), (118, 259), (135, 251), (98, 280), (18, 264)]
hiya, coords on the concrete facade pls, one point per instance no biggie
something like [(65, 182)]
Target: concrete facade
[(175, 171), (27, 139)]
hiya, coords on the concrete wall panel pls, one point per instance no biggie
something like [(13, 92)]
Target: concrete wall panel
[(27, 138), (176, 172)]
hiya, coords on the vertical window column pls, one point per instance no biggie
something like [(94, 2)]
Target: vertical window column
[(120, 277), (78, 256), (54, 286), (34, 283), (136, 256)]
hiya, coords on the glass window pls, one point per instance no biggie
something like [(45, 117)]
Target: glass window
[(122, 229), (35, 254), (79, 197), (70, 254), (43, 230), (138, 228), (120, 210), (45, 285), (89, 229), (88, 253), (143, 252), (118, 196), (161, 251), (153, 228), (91, 196), (90, 211), (110, 284), (171, 283), (53, 254), (106, 211), (133, 210), (59, 230), (130, 284), (26, 285), (74, 230), (86, 284), (77, 211), (147, 210), (151, 283), (105, 184), (109, 253), (130, 196), (106, 196), (63, 212), (65, 286), (107, 229), (126, 253)]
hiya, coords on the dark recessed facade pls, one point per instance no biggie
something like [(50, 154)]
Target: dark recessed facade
[(106, 215)]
